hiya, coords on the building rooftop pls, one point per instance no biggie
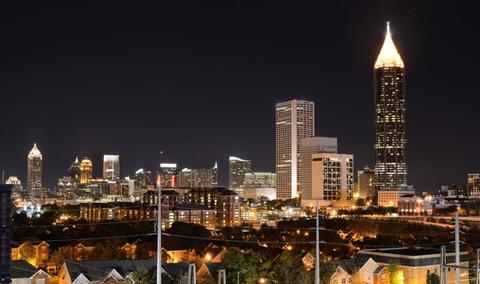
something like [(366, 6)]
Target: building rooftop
[(389, 56)]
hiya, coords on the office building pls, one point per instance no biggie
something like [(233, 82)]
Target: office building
[(365, 180), (389, 118), (143, 178), (5, 232), (309, 146), (332, 179), (167, 175), (294, 121), (34, 172), (473, 185), (237, 168), (86, 168), (260, 180), (74, 171), (198, 178), (17, 188), (111, 167), (391, 197)]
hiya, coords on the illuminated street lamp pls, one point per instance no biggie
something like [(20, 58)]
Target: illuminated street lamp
[(262, 280)]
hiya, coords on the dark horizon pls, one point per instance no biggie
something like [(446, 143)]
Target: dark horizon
[(199, 81)]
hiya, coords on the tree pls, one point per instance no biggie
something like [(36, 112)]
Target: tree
[(61, 254), (360, 202), (250, 263), (433, 278), (288, 269)]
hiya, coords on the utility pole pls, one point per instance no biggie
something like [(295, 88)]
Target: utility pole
[(317, 247), (443, 274), (192, 274), (159, 232), (477, 269), (457, 248)]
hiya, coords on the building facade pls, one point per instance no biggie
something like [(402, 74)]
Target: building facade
[(167, 175), (389, 118), (365, 180), (294, 121), (74, 171), (34, 172), (111, 167), (86, 168), (198, 178), (332, 177), (308, 147), (237, 168), (473, 185)]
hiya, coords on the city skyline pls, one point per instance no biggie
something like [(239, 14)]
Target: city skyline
[(302, 70)]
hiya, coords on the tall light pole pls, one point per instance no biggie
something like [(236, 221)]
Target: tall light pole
[(317, 247), (159, 232)]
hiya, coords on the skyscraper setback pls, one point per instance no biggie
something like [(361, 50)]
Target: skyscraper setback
[(34, 172), (294, 121), (389, 117)]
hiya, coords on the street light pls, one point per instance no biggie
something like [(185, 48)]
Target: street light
[(262, 280)]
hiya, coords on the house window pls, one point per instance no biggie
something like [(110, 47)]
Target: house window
[(344, 281), (40, 281)]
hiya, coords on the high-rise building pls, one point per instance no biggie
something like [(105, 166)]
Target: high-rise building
[(309, 146), (473, 185), (389, 117), (143, 178), (111, 167), (74, 171), (294, 121), (365, 180), (34, 172), (260, 180), (198, 178), (332, 177), (167, 175), (5, 232), (185, 178), (86, 167), (237, 168), (16, 183)]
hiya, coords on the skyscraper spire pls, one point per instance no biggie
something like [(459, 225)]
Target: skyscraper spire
[(388, 56)]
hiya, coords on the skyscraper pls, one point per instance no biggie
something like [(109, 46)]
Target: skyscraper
[(86, 168), (5, 232), (198, 178), (111, 167), (74, 171), (294, 121), (389, 117), (237, 168), (167, 175), (34, 172)]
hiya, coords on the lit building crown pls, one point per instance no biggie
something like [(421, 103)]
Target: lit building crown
[(389, 56), (35, 153)]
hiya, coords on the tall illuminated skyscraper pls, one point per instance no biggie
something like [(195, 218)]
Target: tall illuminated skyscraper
[(34, 172), (389, 117), (294, 121), (111, 167), (74, 171), (237, 168), (86, 167)]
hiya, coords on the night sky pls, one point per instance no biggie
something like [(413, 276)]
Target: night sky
[(199, 81)]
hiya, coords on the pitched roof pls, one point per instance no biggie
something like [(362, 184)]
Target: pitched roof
[(22, 269), (389, 56), (98, 270)]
